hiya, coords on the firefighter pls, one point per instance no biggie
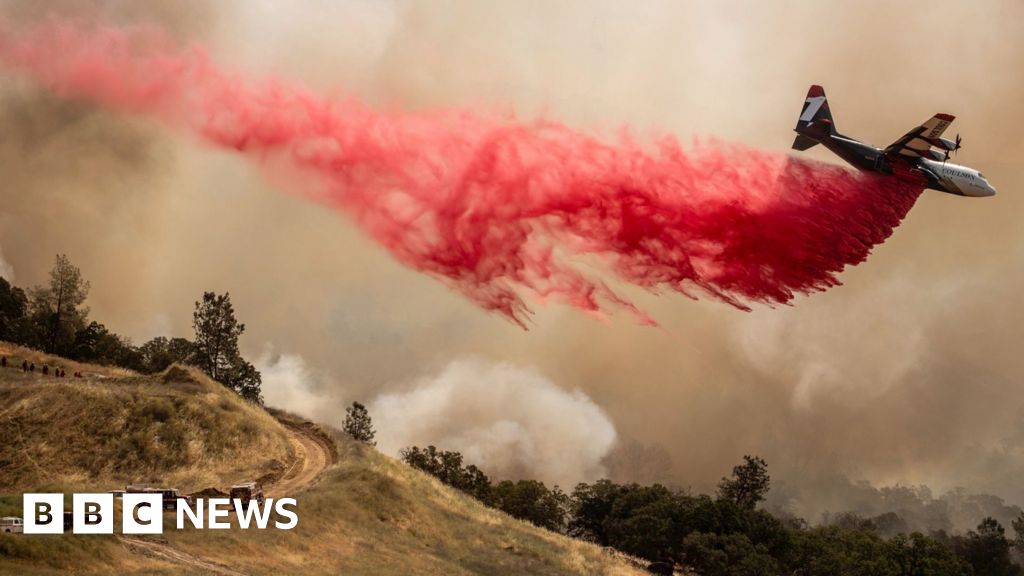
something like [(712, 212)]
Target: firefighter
[(24, 365)]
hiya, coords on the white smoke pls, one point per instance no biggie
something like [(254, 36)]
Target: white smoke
[(289, 384), (511, 422)]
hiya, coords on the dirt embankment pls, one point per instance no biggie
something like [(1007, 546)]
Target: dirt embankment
[(314, 452)]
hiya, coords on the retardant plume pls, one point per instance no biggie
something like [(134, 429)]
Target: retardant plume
[(500, 208)]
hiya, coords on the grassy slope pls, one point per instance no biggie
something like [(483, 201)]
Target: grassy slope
[(373, 515), (113, 427), (369, 514)]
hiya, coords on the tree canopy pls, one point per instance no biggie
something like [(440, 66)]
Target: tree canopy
[(358, 424), (215, 349), (749, 483), (58, 308)]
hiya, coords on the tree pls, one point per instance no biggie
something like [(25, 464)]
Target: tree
[(217, 333), (727, 555), (90, 343), (1017, 543), (919, 555), (831, 550), (648, 521), (474, 482), (215, 350), (97, 345), (57, 309), (591, 506), (890, 524), (160, 352), (447, 467), (13, 306), (358, 424), (245, 379), (749, 483), (532, 501), (988, 550), (1018, 532)]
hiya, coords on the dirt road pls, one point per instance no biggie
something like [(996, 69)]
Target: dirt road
[(161, 550), (314, 452), (312, 456)]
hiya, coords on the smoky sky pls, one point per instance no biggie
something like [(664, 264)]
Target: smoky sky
[(908, 373)]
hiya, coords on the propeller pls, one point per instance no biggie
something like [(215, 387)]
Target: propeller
[(956, 146)]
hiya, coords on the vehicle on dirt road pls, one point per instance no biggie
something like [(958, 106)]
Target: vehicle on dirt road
[(11, 525), (171, 496), (247, 491)]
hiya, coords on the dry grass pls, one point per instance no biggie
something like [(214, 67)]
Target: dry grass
[(15, 354), (373, 515), (115, 427)]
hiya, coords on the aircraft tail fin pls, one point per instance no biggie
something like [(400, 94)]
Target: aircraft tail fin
[(803, 142), (815, 120)]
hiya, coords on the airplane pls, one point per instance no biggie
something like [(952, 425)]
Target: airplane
[(912, 158)]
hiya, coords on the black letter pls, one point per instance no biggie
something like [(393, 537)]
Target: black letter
[(135, 513), (92, 513), (43, 509)]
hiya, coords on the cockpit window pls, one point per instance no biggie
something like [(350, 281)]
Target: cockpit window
[(980, 175)]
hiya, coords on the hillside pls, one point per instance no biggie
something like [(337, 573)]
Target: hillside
[(112, 427), (360, 512)]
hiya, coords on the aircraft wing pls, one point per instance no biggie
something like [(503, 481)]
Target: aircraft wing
[(920, 140)]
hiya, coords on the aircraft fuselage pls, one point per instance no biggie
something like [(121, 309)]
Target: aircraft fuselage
[(941, 176)]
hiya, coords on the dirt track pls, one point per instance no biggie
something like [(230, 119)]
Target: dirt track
[(312, 456), (314, 452), (161, 550)]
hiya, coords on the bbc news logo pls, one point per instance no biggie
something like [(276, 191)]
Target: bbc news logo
[(142, 513)]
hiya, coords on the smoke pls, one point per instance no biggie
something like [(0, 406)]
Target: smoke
[(826, 497), (510, 421), (633, 461), (496, 207), (816, 358), (6, 270), (290, 384)]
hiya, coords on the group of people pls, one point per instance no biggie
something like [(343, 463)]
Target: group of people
[(26, 366)]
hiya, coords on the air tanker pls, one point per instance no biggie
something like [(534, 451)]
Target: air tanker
[(920, 156)]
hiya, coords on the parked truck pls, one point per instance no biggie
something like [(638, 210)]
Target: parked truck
[(11, 525), (170, 496), (247, 491)]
